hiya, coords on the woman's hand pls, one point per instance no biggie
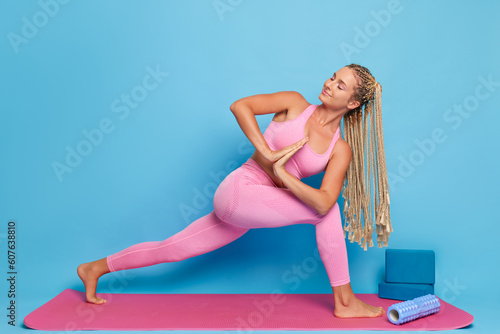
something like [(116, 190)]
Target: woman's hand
[(274, 156), (281, 157)]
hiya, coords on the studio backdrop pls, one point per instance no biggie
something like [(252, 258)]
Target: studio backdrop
[(116, 129)]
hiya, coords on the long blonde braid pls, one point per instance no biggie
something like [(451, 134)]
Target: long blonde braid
[(363, 132)]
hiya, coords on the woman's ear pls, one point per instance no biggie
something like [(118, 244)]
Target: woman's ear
[(353, 104)]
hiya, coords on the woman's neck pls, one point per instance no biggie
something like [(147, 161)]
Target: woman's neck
[(328, 117)]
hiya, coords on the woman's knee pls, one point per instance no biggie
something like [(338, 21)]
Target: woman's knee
[(331, 217)]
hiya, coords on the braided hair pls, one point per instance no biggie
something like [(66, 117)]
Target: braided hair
[(362, 130)]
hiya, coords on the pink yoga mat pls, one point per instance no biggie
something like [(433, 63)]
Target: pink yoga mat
[(244, 312)]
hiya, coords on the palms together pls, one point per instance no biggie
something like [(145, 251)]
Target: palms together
[(283, 155)]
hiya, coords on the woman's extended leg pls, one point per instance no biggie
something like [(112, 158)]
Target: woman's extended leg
[(201, 236)]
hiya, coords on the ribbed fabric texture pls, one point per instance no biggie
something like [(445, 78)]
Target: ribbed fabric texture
[(247, 198)]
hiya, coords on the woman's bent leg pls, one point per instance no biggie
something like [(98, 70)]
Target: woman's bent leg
[(332, 248), (205, 234), (248, 198)]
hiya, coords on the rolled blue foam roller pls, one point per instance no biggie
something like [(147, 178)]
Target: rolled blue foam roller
[(413, 309)]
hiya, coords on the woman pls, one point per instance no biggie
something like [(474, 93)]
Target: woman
[(266, 191)]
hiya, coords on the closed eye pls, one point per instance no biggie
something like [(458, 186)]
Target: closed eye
[(341, 85)]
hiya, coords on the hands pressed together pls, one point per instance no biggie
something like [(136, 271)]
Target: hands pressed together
[(281, 157)]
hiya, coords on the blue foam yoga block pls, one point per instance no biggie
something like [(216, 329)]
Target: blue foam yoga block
[(404, 291), (410, 266)]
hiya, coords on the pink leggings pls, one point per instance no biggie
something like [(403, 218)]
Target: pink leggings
[(247, 198)]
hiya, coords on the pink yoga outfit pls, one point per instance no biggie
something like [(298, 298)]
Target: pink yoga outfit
[(248, 198)]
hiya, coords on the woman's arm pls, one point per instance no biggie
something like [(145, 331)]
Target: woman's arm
[(323, 199), (245, 109)]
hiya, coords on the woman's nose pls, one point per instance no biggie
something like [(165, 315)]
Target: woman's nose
[(329, 86)]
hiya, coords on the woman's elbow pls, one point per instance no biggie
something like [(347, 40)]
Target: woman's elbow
[(325, 207), (323, 210), (233, 107), (236, 105)]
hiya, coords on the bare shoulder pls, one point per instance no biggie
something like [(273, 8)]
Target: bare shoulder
[(292, 97), (279, 102), (341, 152), (296, 104)]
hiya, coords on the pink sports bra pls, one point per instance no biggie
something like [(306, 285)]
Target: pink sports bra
[(305, 162)]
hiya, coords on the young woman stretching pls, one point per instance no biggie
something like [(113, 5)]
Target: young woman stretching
[(266, 191)]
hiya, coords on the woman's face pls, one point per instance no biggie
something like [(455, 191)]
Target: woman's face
[(337, 90)]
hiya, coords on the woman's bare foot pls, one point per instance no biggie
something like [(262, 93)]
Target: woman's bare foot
[(357, 309), (89, 273), (347, 305)]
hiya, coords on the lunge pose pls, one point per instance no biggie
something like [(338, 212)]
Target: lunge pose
[(266, 191)]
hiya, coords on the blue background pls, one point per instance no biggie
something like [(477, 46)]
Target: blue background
[(68, 75)]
